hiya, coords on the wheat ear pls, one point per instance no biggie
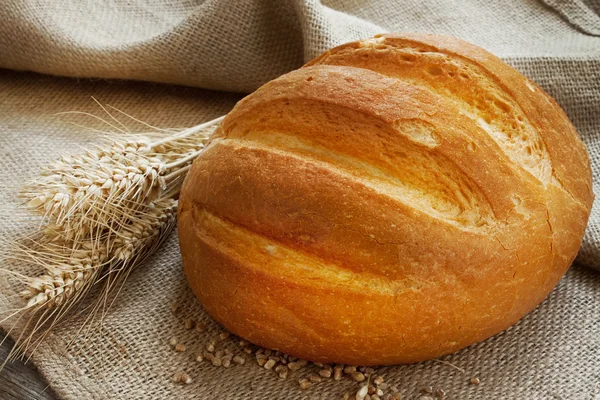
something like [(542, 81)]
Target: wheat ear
[(103, 212), (81, 262)]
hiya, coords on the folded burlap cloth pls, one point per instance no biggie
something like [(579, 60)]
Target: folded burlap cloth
[(235, 46)]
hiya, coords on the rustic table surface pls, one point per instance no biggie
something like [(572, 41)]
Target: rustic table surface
[(19, 381)]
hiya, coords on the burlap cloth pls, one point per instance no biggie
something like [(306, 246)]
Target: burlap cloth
[(553, 353)]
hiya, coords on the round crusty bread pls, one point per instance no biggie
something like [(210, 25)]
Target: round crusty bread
[(397, 199)]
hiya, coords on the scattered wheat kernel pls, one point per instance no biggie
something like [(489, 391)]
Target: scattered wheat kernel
[(369, 371), (383, 386), (349, 369), (210, 347), (371, 389), (189, 324), (200, 327), (318, 364), (208, 354), (394, 389), (346, 396), (362, 393), (179, 347), (427, 389), (219, 353), (199, 357), (475, 381), (379, 392), (302, 363), (283, 374), (440, 393), (337, 373), (304, 383), (358, 376), (216, 361), (185, 378), (224, 335), (378, 380), (174, 308), (280, 368), (239, 360), (396, 396), (314, 378), (261, 361), (244, 343), (226, 361), (294, 366), (325, 373), (361, 369), (375, 397), (270, 364), (173, 341), (268, 352), (177, 377), (248, 350)]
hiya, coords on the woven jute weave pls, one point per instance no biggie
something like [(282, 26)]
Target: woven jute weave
[(214, 48)]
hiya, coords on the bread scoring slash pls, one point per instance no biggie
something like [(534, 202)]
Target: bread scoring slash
[(394, 200)]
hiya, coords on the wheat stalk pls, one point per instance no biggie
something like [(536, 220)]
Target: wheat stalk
[(103, 211)]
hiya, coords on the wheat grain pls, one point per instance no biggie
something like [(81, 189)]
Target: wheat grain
[(362, 393), (304, 383)]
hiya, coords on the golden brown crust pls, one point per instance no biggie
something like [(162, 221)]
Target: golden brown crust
[(372, 208)]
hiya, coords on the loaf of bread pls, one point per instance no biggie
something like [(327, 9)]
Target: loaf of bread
[(397, 199)]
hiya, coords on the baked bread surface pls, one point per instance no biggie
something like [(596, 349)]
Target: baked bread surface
[(397, 199)]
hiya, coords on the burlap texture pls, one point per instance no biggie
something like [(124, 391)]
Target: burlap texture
[(553, 353)]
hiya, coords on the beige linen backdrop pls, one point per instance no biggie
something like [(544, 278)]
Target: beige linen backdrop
[(214, 46)]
